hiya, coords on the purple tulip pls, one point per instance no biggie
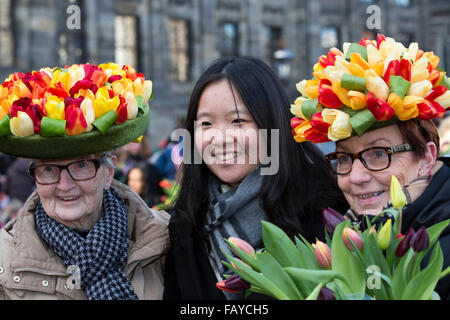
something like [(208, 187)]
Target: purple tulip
[(421, 240), (405, 244), (331, 218), (326, 294), (233, 284)]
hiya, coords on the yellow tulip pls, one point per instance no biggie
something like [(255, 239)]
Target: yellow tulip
[(340, 127), (22, 125), (3, 113), (341, 93), (76, 74), (55, 108), (358, 100), (376, 85), (299, 131), (444, 100), (87, 107), (420, 89), (148, 87), (296, 108), (434, 60), (63, 77), (132, 107), (103, 103), (419, 70), (398, 198), (384, 237)]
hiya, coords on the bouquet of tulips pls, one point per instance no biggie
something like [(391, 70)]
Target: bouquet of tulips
[(171, 190), (376, 264), (55, 102)]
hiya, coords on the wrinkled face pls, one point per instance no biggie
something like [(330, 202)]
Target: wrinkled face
[(228, 143), (135, 180), (368, 191), (76, 204)]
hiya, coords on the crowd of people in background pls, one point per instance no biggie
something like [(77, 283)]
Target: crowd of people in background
[(147, 172)]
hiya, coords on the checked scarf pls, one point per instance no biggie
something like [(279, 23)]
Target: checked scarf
[(101, 256)]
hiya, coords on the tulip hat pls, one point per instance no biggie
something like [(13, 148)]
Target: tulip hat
[(369, 85), (83, 109)]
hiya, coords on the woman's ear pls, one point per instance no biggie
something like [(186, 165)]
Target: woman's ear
[(110, 169), (428, 160)]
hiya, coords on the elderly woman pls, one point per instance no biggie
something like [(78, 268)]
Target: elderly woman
[(377, 100), (81, 234)]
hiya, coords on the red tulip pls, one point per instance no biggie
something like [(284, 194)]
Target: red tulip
[(393, 69), (234, 284), (323, 254), (122, 111), (327, 97), (318, 123), (295, 121), (75, 121), (380, 109), (349, 233), (315, 136), (429, 109), (243, 245)]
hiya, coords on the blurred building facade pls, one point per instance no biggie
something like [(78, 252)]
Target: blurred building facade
[(173, 41)]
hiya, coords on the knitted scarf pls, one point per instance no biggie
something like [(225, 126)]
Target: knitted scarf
[(234, 213), (101, 256)]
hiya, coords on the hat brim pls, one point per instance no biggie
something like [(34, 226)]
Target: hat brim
[(37, 147)]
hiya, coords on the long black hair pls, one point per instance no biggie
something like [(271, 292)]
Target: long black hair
[(293, 197)]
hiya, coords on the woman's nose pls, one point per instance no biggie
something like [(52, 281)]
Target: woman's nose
[(65, 180), (224, 136), (359, 174)]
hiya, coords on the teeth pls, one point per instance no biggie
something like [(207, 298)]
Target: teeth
[(68, 199), (226, 156), (370, 195)]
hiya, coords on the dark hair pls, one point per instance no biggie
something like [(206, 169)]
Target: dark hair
[(151, 191), (417, 133), (294, 196)]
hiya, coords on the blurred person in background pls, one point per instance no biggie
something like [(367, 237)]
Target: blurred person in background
[(444, 136), (19, 185), (144, 179)]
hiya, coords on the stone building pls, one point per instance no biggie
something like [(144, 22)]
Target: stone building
[(172, 41)]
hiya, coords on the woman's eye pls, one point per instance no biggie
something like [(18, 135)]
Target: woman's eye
[(205, 123), (238, 121)]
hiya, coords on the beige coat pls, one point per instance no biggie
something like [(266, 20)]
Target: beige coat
[(30, 270)]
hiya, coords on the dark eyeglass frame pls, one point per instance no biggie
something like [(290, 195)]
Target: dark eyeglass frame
[(97, 163), (357, 155)]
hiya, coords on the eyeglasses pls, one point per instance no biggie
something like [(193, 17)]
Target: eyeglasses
[(374, 159), (78, 170)]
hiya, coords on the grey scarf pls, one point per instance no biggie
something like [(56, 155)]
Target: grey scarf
[(234, 213), (101, 256)]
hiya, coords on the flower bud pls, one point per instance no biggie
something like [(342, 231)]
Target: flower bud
[(404, 244), (384, 237), (331, 218), (398, 198), (234, 284), (243, 245), (421, 240), (326, 294), (323, 254), (349, 233)]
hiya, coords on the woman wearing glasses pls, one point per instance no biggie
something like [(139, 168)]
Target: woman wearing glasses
[(377, 100), (81, 234)]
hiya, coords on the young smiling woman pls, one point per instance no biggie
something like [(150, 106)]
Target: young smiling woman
[(227, 195)]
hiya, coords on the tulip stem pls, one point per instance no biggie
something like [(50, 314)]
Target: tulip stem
[(444, 273), (400, 220)]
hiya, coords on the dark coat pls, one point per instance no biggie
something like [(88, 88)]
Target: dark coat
[(430, 208)]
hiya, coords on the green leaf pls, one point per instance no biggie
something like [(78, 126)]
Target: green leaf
[(307, 256), (272, 270), (309, 108), (53, 127), (315, 276), (105, 121), (356, 47), (242, 255), (315, 293), (280, 246), (4, 126), (422, 285), (344, 262), (351, 82), (400, 278)]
